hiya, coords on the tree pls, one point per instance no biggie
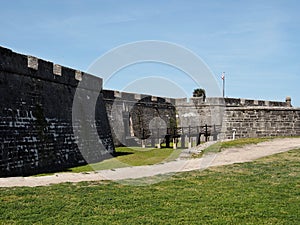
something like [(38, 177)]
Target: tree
[(199, 92)]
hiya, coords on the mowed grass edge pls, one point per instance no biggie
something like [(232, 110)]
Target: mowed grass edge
[(266, 191), (131, 156), (137, 156), (238, 143)]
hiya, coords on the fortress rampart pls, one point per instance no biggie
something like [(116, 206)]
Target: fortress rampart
[(36, 129), (39, 132)]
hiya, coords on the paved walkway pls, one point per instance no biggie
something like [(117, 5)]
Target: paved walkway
[(228, 156)]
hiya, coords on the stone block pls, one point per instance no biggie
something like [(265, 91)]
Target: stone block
[(32, 62), (57, 69)]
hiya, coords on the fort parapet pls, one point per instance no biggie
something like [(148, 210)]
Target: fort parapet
[(36, 127), (41, 130)]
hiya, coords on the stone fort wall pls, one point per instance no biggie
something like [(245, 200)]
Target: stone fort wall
[(261, 121), (244, 117), (248, 118), (134, 117), (38, 131)]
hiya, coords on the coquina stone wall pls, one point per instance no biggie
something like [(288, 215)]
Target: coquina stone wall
[(53, 117), (134, 117), (261, 121), (246, 117), (36, 127), (130, 113)]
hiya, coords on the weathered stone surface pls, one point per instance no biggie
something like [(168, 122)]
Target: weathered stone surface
[(262, 121), (250, 118), (130, 115), (36, 130), (42, 130)]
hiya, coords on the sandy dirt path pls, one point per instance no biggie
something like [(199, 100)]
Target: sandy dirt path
[(228, 156)]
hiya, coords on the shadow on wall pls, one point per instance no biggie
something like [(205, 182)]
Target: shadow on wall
[(135, 118)]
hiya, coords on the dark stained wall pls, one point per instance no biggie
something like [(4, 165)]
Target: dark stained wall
[(36, 128), (53, 117)]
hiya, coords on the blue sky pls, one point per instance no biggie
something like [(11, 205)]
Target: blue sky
[(255, 42)]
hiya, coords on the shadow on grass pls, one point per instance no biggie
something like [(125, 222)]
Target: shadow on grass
[(124, 157), (116, 154)]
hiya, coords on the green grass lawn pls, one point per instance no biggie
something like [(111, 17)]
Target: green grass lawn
[(266, 191), (132, 156), (217, 147), (137, 156)]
